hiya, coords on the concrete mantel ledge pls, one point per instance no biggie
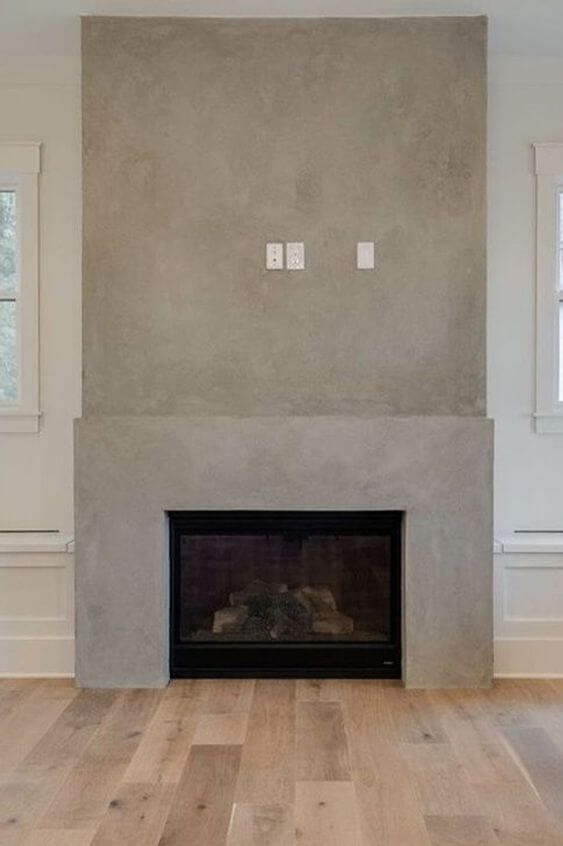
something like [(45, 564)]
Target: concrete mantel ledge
[(13, 542), (130, 471)]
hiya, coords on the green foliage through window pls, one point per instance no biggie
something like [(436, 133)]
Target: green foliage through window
[(8, 304)]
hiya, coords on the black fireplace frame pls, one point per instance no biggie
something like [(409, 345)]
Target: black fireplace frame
[(285, 660)]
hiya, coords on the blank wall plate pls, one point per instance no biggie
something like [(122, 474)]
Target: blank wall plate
[(295, 254), (274, 256), (365, 255)]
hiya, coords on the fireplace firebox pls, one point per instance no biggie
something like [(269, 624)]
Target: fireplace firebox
[(285, 593)]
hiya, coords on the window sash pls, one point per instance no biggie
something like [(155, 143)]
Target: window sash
[(12, 185)]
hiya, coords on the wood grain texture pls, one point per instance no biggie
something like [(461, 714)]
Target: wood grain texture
[(86, 792), (267, 771), (164, 745), (281, 763), (203, 804), (137, 814), (261, 825), (388, 805), (326, 813), (542, 761), (26, 723), (460, 831), (59, 838), (221, 729), (322, 749)]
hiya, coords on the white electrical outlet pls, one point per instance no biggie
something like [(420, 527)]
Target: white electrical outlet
[(365, 254), (295, 254), (274, 256)]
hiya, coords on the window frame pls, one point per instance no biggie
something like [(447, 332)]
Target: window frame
[(19, 170)]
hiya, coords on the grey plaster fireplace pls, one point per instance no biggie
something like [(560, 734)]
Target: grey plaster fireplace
[(211, 384)]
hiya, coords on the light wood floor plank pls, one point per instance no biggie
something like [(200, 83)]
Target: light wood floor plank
[(543, 762), (388, 806), (84, 795), (442, 784), (326, 814), (414, 716), (460, 831), (478, 744), (227, 696), (221, 729), (322, 748), (12, 693), (508, 704), (203, 803), (516, 814), (59, 838), (163, 749), (24, 799), (267, 771), (24, 727), (262, 825), (73, 730), (136, 815)]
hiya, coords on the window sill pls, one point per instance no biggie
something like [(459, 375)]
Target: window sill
[(530, 542), (15, 421), (549, 424), (16, 542)]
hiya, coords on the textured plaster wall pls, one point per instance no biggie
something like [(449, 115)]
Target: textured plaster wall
[(204, 138)]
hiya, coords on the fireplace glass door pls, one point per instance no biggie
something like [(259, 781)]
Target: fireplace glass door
[(285, 593)]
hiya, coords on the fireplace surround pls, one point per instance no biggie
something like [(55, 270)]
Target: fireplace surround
[(132, 472), (211, 384), (285, 593)]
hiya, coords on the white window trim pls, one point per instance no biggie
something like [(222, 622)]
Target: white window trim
[(20, 166)]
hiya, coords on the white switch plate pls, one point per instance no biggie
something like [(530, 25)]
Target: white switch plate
[(274, 256), (295, 254), (365, 255)]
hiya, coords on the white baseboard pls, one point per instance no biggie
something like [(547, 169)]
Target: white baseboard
[(531, 658), (34, 657)]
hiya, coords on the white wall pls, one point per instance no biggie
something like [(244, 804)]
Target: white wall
[(39, 98), (525, 98)]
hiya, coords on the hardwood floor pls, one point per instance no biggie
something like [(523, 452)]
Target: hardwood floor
[(281, 763)]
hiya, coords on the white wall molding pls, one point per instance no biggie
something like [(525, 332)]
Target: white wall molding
[(529, 605), (15, 542), (37, 657), (529, 658), (36, 604)]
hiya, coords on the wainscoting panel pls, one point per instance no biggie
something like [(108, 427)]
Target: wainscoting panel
[(36, 605), (529, 606)]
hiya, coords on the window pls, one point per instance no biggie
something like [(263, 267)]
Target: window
[(19, 382)]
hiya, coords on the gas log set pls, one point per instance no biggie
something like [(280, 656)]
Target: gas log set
[(271, 611)]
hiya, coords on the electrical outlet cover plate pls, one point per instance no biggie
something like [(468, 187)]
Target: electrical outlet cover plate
[(295, 252), (274, 256), (366, 255)]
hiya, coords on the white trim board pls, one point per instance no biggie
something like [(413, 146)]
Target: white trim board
[(530, 542), (528, 658), (22, 542), (37, 657), (548, 414)]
